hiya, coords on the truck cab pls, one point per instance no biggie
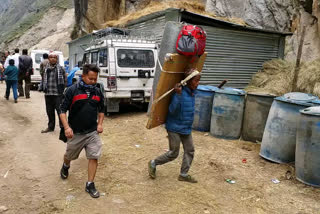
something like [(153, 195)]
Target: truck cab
[(127, 68)]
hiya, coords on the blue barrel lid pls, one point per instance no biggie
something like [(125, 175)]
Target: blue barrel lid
[(207, 88), (234, 91), (261, 94), (315, 110), (316, 101), (298, 98)]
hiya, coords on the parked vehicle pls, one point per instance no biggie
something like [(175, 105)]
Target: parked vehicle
[(37, 57), (127, 67)]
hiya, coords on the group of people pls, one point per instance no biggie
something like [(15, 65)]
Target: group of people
[(84, 102), (15, 69)]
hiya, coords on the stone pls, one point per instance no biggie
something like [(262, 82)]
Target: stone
[(266, 14), (3, 209)]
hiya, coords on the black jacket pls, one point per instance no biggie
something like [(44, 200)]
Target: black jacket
[(83, 109), (25, 64)]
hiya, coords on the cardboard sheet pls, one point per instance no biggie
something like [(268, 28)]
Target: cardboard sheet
[(172, 73)]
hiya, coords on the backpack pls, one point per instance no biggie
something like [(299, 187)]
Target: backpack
[(191, 40)]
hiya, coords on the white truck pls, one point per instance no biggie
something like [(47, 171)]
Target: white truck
[(127, 67), (37, 57)]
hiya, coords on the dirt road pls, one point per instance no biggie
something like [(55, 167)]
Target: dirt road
[(30, 164)]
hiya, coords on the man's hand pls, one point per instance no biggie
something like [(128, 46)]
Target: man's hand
[(178, 88), (68, 132), (99, 129)]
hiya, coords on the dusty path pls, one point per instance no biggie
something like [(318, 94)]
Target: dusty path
[(30, 164)]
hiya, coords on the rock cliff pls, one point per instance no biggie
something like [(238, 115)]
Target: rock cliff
[(278, 15)]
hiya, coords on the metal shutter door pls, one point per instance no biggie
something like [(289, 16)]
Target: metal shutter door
[(236, 55)]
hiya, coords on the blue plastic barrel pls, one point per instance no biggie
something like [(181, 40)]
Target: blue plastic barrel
[(203, 107), (257, 107), (308, 147), (279, 137), (227, 113)]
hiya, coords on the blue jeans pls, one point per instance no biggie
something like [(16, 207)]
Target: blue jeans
[(13, 84)]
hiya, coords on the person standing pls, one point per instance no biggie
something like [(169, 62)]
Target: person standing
[(85, 103), (178, 124), (1, 72), (54, 83), (15, 56), (43, 66), (12, 80), (25, 72), (71, 75)]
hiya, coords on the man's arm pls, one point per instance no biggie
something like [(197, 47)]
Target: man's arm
[(100, 122), (101, 109), (67, 129), (6, 63), (65, 77), (65, 105)]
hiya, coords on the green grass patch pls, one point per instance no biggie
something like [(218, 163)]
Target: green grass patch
[(67, 4)]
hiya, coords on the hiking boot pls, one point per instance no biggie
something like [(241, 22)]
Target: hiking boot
[(91, 189), (187, 178), (152, 170), (64, 172), (47, 130)]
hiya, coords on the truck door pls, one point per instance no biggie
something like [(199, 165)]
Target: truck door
[(104, 75)]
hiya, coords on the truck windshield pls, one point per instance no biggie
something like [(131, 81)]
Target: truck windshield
[(135, 58), (103, 58)]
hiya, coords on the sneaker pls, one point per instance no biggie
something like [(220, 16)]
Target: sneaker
[(152, 170), (187, 178), (91, 189), (64, 172)]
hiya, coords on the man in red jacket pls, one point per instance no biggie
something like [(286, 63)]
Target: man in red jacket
[(85, 103)]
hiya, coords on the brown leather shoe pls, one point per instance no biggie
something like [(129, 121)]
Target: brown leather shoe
[(47, 130)]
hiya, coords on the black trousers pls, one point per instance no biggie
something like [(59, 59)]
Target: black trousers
[(52, 105), (27, 81)]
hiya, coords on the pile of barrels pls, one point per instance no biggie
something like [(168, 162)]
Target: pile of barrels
[(288, 127)]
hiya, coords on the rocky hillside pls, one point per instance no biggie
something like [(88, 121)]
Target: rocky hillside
[(36, 24), (278, 15), (49, 23), (93, 14)]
